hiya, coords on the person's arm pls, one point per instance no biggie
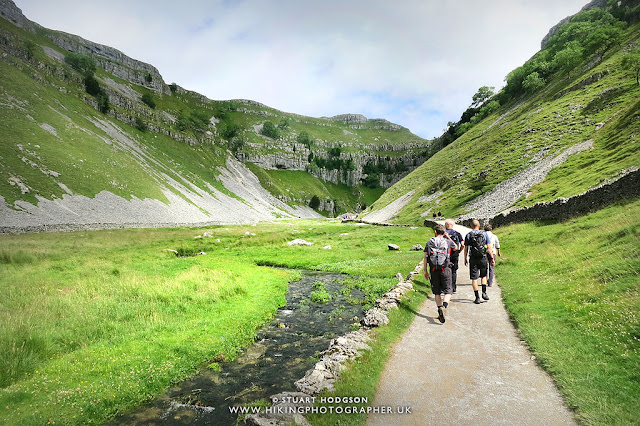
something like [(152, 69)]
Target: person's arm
[(448, 237), (466, 249), (492, 258), (498, 246), (425, 265)]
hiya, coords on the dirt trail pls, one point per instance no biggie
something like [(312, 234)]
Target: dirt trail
[(473, 369)]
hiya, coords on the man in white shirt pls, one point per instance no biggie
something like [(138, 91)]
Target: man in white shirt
[(495, 243)]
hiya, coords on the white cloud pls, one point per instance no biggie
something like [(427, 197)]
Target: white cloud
[(414, 62)]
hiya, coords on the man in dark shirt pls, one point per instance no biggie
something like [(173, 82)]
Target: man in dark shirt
[(456, 237), (481, 255)]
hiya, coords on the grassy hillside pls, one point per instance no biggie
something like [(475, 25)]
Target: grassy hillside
[(54, 141), (576, 303), (568, 110)]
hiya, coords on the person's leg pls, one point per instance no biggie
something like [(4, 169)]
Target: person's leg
[(474, 274), (454, 276), (490, 275), (447, 290), (484, 269), (438, 300)]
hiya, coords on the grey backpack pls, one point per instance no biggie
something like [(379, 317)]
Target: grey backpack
[(438, 252)]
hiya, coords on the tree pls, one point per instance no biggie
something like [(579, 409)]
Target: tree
[(173, 87), (304, 138), (284, 124), (482, 95), (631, 62), (30, 48), (147, 98), (148, 78), (81, 63), (569, 58), (533, 82), (603, 38), (103, 102), (315, 202), (91, 85), (141, 125), (269, 130)]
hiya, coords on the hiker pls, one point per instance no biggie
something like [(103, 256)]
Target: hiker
[(437, 268), (456, 237), (495, 243), (480, 251)]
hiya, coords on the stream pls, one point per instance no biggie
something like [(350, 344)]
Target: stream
[(283, 351)]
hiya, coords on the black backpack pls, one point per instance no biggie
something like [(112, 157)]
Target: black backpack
[(478, 245)]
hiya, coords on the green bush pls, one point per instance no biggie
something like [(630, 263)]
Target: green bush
[(141, 125), (91, 85), (269, 130), (103, 102), (533, 82), (147, 98), (81, 63), (148, 78), (315, 202), (173, 87), (304, 139)]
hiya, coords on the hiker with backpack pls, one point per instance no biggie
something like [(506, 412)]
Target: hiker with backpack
[(495, 243), (456, 237), (480, 250), (437, 268)]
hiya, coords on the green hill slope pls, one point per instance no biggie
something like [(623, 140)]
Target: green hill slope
[(597, 100), (89, 135)]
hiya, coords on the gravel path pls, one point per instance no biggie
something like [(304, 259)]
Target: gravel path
[(507, 192), (471, 370)]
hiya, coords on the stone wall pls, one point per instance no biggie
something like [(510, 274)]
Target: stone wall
[(625, 187)]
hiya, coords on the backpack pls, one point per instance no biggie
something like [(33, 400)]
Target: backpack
[(438, 253), (478, 244)]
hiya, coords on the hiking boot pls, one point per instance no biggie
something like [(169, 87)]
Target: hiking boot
[(477, 301), (441, 311), (485, 296)]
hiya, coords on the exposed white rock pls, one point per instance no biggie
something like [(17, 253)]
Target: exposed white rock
[(299, 242)]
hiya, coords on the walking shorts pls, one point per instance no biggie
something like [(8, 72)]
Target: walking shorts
[(441, 281), (478, 267)]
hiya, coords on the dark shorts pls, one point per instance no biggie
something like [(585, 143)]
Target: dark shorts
[(441, 281), (478, 267)]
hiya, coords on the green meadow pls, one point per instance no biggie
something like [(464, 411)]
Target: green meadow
[(93, 324), (573, 290)]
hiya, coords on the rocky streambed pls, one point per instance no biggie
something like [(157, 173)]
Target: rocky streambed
[(283, 351)]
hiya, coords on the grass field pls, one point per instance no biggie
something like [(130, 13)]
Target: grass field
[(573, 290), (94, 323)]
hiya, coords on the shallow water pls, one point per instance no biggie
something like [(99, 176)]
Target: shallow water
[(283, 351)]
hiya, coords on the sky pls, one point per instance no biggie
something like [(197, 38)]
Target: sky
[(413, 62)]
